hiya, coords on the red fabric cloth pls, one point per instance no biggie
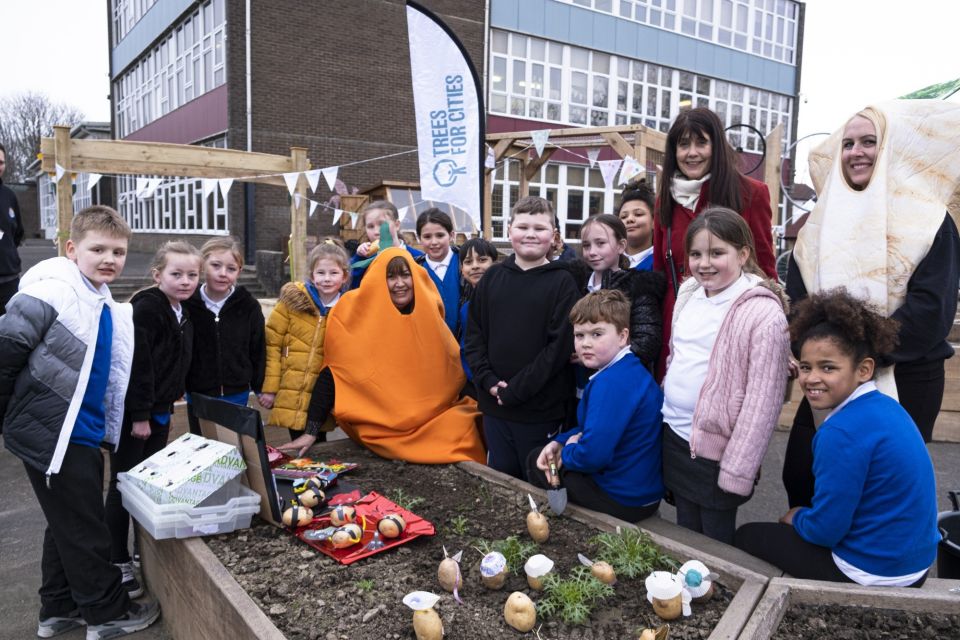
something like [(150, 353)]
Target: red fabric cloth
[(756, 211)]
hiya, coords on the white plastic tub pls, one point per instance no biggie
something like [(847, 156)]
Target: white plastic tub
[(230, 508)]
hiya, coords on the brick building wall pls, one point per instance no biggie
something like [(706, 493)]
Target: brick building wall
[(333, 77)]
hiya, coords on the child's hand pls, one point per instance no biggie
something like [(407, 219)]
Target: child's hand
[(787, 518), (550, 453), (300, 445), (793, 369), (266, 400), (363, 250), (575, 438), (141, 429), (495, 391)]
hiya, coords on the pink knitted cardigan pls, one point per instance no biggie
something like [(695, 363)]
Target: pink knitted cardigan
[(741, 398)]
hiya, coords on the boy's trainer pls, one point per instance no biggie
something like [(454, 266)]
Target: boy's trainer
[(137, 618), (55, 625), (130, 582)]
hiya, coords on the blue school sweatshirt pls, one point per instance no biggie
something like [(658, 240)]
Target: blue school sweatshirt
[(449, 289), (875, 502), (619, 416), (91, 425)]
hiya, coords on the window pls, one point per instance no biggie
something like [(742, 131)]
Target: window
[(177, 206), (187, 63), (126, 14), (723, 22)]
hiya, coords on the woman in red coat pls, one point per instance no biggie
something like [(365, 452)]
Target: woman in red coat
[(699, 171)]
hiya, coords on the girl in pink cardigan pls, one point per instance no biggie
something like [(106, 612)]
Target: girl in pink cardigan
[(725, 378)]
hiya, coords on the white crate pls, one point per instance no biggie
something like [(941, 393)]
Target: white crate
[(229, 508)]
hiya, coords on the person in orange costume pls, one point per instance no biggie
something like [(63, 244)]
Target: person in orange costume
[(393, 373)]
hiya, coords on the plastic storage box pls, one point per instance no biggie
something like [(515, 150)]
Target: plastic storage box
[(229, 508)]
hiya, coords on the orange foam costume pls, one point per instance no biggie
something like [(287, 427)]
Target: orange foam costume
[(398, 376)]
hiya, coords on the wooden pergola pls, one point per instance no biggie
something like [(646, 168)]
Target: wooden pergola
[(642, 143), (113, 157)]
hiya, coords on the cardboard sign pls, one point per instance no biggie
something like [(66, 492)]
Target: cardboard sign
[(188, 470), (242, 427)]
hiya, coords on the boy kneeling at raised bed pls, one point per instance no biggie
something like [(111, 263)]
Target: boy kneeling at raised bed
[(611, 461), (873, 517)]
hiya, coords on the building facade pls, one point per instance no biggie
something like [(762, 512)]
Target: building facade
[(334, 77)]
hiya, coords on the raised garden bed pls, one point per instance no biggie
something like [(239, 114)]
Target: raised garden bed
[(814, 610), (274, 578)]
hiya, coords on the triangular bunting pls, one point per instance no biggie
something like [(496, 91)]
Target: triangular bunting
[(592, 155), (208, 185), (630, 169), (141, 186), (60, 171), (608, 169), (297, 199), (491, 160), (402, 213), (225, 184), (313, 179), (147, 187), (540, 139), (291, 180), (330, 175), (336, 216), (93, 179), (353, 219), (313, 207)]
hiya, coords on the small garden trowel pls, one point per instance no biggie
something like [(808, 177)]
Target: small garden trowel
[(556, 495)]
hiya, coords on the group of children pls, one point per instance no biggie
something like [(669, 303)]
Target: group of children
[(573, 363)]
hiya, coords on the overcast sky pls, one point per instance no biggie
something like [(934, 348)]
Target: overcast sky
[(855, 52)]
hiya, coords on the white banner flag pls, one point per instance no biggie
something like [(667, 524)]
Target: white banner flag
[(313, 207), (60, 171), (313, 179), (336, 216), (491, 161), (291, 180), (540, 139), (225, 184), (449, 125), (140, 186), (296, 200), (207, 185), (353, 219), (592, 155), (630, 168), (330, 175), (93, 179), (608, 169)]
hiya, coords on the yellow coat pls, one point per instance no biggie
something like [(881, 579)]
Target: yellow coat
[(295, 332)]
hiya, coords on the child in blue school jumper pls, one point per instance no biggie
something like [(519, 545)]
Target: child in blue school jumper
[(476, 256), (67, 350), (873, 518), (610, 462), (373, 215), (441, 260)]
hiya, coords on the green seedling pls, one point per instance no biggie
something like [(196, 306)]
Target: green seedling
[(572, 599), (459, 524), (406, 501), (364, 585), (631, 553), (516, 551)]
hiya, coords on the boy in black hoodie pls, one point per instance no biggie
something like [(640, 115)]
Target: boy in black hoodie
[(519, 341)]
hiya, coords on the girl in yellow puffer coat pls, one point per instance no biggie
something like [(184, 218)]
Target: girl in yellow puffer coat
[(295, 332)]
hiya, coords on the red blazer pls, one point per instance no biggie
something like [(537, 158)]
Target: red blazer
[(756, 211)]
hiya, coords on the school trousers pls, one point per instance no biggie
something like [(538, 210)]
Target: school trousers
[(781, 545), (75, 569), (131, 452), (509, 443), (582, 489)]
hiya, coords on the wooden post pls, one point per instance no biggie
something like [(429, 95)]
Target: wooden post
[(771, 170), (524, 189), (61, 142), (298, 217), (487, 231)]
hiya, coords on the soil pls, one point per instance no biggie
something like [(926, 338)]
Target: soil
[(835, 622), (310, 596)]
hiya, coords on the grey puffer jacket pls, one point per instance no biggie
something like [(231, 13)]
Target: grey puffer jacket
[(47, 342)]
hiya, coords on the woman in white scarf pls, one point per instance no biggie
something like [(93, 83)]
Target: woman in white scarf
[(884, 181)]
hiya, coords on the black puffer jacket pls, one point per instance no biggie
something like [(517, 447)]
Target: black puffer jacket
[(162, 351), (645, 289), (229, 350)]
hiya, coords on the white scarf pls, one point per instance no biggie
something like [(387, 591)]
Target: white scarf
[(871, 241), (685, 191)]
